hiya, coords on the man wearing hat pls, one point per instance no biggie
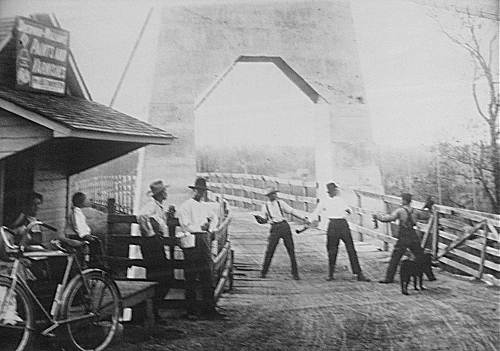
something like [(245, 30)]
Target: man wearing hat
[(156, 209), (153, 222), (198, 219), (335, 209), (408, 238), (273, 211)]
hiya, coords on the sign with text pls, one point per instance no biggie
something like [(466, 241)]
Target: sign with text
[(41, 56)]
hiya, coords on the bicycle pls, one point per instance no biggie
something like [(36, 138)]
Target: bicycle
[(84, 312)]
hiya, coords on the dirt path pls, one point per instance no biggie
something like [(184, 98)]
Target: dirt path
[(278, 313)]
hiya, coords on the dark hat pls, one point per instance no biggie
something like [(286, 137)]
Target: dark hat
[(157, 186), (331, 185), (199, 183), (270, 191)]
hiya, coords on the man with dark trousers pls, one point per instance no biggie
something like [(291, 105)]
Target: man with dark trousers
[(273, 211), (335, 209), (199, 220), (408, 238)]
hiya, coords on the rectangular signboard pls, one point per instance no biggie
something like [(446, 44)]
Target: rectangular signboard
[(41, 56)]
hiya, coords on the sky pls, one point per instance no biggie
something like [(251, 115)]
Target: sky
[(418, 83)]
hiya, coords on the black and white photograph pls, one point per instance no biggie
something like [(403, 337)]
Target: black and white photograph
[(249, 175)]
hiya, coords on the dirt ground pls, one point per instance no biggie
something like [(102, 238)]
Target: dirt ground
[(278, 313)]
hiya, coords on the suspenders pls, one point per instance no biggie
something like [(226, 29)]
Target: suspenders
[(269, 212)]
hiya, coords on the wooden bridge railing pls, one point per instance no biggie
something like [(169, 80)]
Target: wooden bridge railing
[(463, 240)]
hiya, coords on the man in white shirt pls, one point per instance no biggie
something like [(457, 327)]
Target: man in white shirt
[(335, 209), (155, 210), (197, 218), (273, 211)]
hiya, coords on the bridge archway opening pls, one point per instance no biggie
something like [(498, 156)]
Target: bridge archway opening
[(261, 117)]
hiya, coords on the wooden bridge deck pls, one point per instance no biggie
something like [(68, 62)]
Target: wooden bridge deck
[(278, 313)]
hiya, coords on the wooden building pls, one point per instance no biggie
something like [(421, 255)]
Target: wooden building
[(45, 137)]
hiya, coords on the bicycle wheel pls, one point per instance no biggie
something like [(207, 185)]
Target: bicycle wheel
[(92, 309), (17, 317)]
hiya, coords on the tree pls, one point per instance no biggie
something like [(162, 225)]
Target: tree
[(478, 36)]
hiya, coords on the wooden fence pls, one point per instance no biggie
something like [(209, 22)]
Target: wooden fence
[(248, 190), (99, 189), (463, 240), (118, 240)]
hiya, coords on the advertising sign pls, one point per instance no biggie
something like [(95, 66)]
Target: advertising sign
[(41, 56)]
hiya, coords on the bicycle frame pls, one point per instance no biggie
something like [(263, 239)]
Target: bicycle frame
[(16, 278)]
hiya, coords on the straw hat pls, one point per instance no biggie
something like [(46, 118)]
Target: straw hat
[(157, 187), (270, 191)]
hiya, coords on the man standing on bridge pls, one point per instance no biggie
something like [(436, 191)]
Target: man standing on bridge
[(273, 211), (336, 210), (198, 219), (408, 238)]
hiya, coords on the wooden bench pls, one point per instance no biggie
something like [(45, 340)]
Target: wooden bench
[(135, 293)]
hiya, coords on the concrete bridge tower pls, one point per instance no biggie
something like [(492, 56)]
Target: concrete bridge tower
[(197, 42)]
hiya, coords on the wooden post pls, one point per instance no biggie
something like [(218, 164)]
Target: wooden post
[(2, 186), (427, 232), (111, 205), (360, 205), (483, 252), (435, 233), (387, 227)]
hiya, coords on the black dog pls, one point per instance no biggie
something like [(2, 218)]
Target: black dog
[(416, 269)]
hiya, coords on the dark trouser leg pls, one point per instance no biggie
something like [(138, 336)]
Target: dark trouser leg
[(290, 247), (397, 253), (157, 266), (351, 250), (332, 246), (205, 274), (272, 242), (190, 263)]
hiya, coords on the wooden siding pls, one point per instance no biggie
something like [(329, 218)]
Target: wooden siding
[(50, 180), (17, 133)]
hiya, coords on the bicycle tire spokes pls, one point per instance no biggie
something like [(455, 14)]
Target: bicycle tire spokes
[(16, 318), (96, 299)]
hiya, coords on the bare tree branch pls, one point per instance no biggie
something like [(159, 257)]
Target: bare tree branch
[(476, 102), (491, 49), (487, 190)]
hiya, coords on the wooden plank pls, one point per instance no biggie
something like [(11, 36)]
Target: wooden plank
[(493, 232), (461, 240), (483, 253), (117, 218), (472, 258), (124, 239), (475, 245), (118, 261), (373, 233), (427, 231), (135, 292), (282, 195), (458, 266)]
